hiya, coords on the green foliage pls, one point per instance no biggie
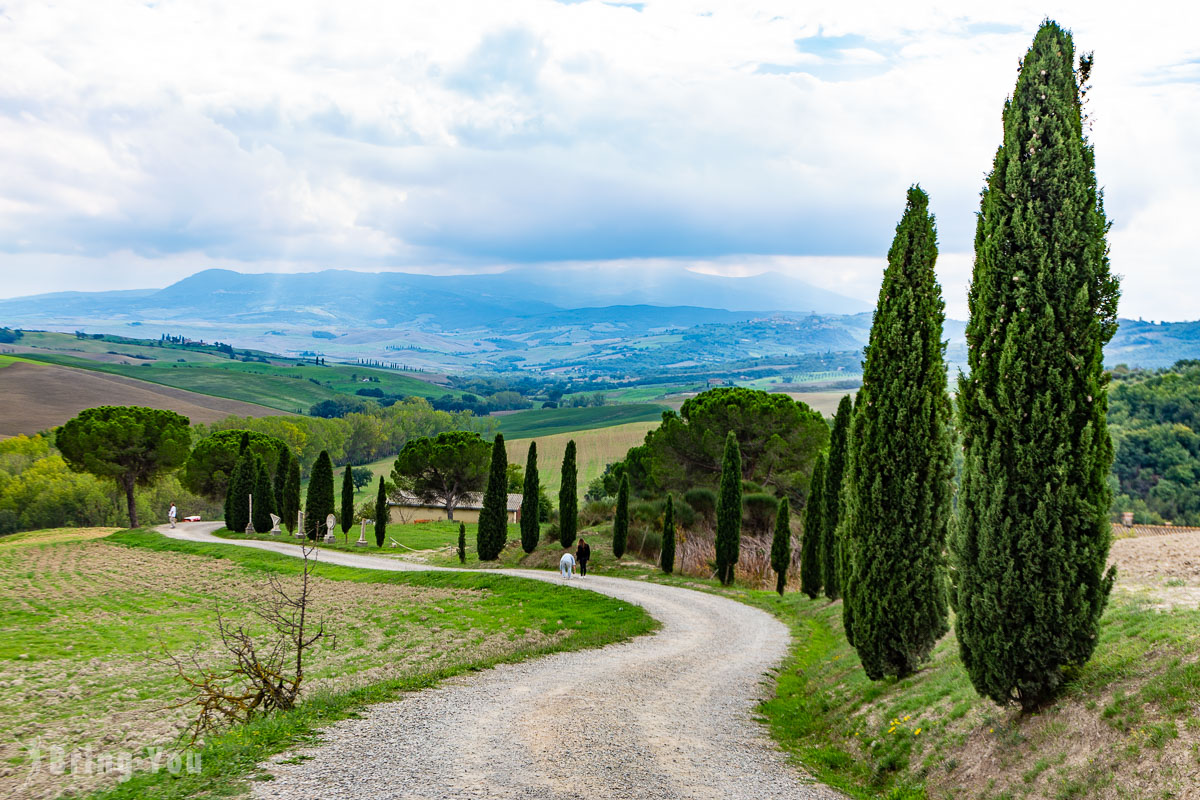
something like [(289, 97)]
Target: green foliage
[(703, 501), (130, 445), (531, 503), (621, 518), (357, 438), (1155, 422), (264, 497), (443, 469), (347, 499), (758, 511), (318, 504), (493, 518), (241, 484), (282, 467), (1032, 536), (666, 558), (547, 422), (381, 514), (896, 494), (462, 542), (207, 469), (835, 470), (778, 437), (781, 546), (729, 511), (568, 499), (811, 563), (290, 509)]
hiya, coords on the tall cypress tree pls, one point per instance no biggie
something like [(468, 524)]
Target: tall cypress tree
[(667, 556), (283, 466), (493, 519), (814, 532), (568, 499), (347, 515), (381, 514), (1032, 537), (462, 542), (621, 519), (264, 495), (896, 493), (290, 510), (835, 470), (781, 545), (530, 500), (318, 504), (729, 510), (237, 498)]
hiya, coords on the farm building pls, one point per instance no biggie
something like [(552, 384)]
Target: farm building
[(406, 507)]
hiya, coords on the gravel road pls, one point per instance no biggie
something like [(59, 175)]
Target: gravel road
[(663, 716)]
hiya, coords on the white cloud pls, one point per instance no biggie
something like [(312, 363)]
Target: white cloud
[(143, 141)]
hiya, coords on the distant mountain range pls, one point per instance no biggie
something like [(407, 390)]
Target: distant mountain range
[(451, 302), (603, 321)]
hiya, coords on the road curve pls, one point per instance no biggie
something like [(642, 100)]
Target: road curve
[(661, 716)]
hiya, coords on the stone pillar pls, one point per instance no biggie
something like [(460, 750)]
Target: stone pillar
[(299, 525), (250, 524), (362, 535)]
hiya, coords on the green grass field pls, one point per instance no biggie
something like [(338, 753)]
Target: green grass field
[(549, 421), (594, 450), (293, 386), (417, 536), (79, 616)]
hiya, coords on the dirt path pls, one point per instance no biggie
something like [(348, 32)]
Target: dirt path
[(662, 716)]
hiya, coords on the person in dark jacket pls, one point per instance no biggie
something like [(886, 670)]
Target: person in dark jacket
[(582, 554)]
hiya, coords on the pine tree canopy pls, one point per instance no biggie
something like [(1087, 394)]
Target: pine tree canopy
[(621, 519), (318, 504), (896, 493), (1032, 536), (568, 499)]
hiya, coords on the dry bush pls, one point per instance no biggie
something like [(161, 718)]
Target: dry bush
[(265, 675)]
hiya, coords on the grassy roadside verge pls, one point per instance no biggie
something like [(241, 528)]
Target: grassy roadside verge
[(1126, 726), (229, 760)]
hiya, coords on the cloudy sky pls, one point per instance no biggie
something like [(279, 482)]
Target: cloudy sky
[(141, 142)]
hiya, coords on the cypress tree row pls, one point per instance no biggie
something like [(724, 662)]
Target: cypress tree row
[(835, 470), (667, 555), (530, 500), (318, 504), (264, 494), (290, 509), (781, 545), (621, 520), (237, 497), (381, 514), (347, 515), (1032, 536), (282, 466), (568, 499), (896, 494), (729, 510), (493, 519), (462, 542), (814, 532)]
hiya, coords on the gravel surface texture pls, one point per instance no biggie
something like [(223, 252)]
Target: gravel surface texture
[(663, 716)]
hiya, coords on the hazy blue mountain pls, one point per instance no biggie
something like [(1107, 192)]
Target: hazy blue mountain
[(364, 299)]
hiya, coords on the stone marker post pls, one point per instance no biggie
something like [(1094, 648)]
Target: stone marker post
[(250, 524), (330, 524), (299, 525), (362, 535), (275, 531)]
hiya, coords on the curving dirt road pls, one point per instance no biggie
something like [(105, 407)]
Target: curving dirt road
[(662, 716)]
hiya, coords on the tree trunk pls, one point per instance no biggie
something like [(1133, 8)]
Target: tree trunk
[(128, 481)]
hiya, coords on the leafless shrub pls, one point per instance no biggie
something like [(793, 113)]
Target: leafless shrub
[(267, 672)]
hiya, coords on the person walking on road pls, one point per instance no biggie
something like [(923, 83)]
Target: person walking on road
[(582, 554), (566, 565), (171, 514)]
